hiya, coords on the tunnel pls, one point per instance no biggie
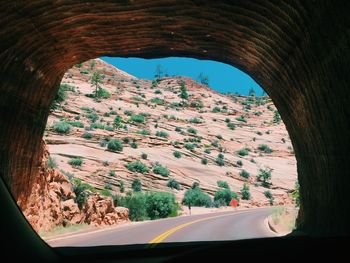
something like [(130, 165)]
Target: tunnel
[(298, 51)]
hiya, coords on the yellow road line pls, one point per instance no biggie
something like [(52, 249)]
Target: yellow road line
[(171, 231)]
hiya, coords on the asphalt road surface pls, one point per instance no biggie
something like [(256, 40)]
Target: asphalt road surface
[(232, 225)]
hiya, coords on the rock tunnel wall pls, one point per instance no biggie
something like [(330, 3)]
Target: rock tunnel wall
[(297, 50)]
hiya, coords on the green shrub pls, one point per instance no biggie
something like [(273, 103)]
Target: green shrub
[(276, 117), (223, 184), (136, 185), (244, 174), (157, 91), (160, 205), (231, 126), (216, 109), (61, 127), (112, 173), (108, 186), (215, 143), (219, 161), (259, 133), (243, 152), (144, 156), (195, 120), (75, 162), (115, 145), (241, 118), (173, 184), (257, 113), (158, 101), (204, 161), (87, 135), (134, 145), (265, 148), (117, 121), (158, 169), (221, 156), (208, 151), (183, 90), (85, 72), (225, 196), (268, 194), (196, 197), (137, 118), (51, 163), (136, 203), (128, 112), (137, 166), (80, 190), (102, 93), (245, 192), (162, 134), (264, 176), (97, 125), (189, 146), (296, 194), (126, 140), (105, 192), (106, 114), (239, 163), (76, 124), (92, 116), (219, 137), (178, 129), (177, 154), (121, 186), (192, 130), (143, 132), (197, 104)]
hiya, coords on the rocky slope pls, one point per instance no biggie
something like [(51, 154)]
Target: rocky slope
[(210, 124)]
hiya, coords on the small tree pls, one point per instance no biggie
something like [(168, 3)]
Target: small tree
[(264, 176), (245, 192), (203, 79), (96, 81), (183, 89), (136, 185)]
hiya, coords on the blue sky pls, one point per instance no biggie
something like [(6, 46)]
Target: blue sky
[(222, 77)]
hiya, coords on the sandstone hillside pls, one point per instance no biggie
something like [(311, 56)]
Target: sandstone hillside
[(154, 120)]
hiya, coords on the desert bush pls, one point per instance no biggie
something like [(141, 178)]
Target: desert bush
[(137, 166), (158, 91), (265, 148), (112, 173), (136, 203), (159, 169), (134, 145), (239, 163), (87, 135), (264, 176), (204, 161), (216, 109), (115, 145), (231, 126), (128, 112), (245, 192), (137, 118), (158, 101), (177, 154), (243, 152), (61, 127), (208, 151), (241, 118), (220, 161), (192, 130), (195, 120), (244, 174), (173, 184), (144, 156), (189, 146), (162, 134), (223, 184), (136, 185), (51, 163), (160, 205), (143, 132), (196, 197), (75, 162), (225, 196), (77, 124)]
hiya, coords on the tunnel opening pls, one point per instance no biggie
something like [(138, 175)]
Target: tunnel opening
[(127, 136)]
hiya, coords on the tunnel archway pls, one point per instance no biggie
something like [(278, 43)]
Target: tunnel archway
[(297, 51)]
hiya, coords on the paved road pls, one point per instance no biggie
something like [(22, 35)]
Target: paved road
[(206, 227)]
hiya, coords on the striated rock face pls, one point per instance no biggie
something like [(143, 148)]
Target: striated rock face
[(297, 50), (51, 202)]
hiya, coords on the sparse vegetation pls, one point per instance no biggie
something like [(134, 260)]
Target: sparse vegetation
[(204, 161), (192, 130), (76, 162), (61, 127), (243, 152), (264, 177), (239, 163), (159, 169), (136, 185), (138, 167), (241, 118), (115, 145), (144, 156), (177, 154), (189, 146), (223, 184), (231, 126), (173, 184), (265, 148), (162, 134), (137, 118), (196, 197), (245, 192), (244, 174), (51, 163), (224, 196)]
